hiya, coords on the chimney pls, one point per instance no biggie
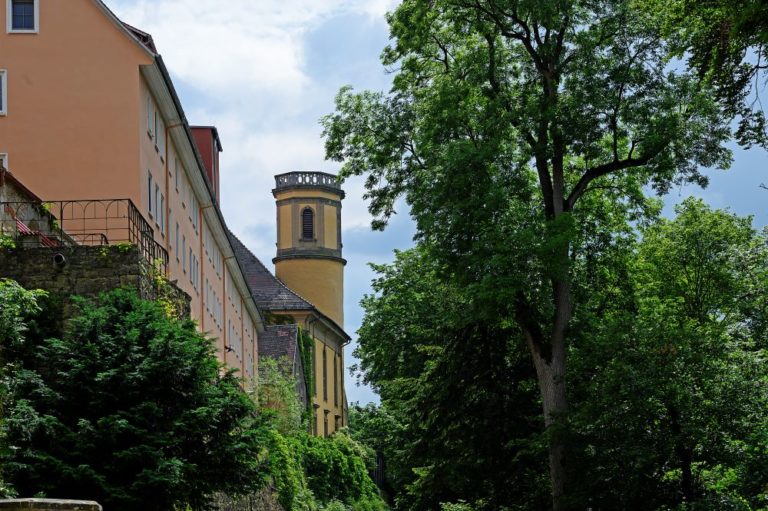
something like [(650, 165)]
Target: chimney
[(209, 145)]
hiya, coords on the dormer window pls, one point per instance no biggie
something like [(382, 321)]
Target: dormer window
[(23, 16), (308, 224)]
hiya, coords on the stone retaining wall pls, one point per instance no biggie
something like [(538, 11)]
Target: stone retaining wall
[(88, 271)]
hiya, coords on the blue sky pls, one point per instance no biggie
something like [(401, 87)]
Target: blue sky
[(265, 71)]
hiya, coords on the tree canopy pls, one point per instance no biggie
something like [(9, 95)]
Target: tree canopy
[(130, 408), (522, 135)]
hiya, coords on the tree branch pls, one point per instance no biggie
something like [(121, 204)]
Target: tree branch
[(602, 170), (496, 88)]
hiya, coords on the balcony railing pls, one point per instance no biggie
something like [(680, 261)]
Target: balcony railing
[(81, 222), (292, 179)]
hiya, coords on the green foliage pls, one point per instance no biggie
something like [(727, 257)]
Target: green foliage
[(307, 347), (726, 43), (459, 417), (309, 472), (669, 387), (522, 135), (16, 304), (337, 468), (671, 397), (277, 396), (287, 474), (7, 242), (459, 506), (130, 408)]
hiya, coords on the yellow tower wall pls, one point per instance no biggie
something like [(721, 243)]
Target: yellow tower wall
[(321, 281)]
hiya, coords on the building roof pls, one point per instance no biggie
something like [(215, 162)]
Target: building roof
[(7, 176), (269, 292), (143, 37)]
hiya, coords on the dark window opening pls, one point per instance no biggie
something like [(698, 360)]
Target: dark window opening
[(335, 383), (23, 15), (325, 375), (307, 224)]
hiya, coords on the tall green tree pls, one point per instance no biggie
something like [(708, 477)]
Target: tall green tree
[(459, 417), (671, 382), (505, 119), (130, 408)]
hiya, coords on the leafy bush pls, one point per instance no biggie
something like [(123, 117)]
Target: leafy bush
[(309, 472), (337, 468), (130, 408), (15, 304)]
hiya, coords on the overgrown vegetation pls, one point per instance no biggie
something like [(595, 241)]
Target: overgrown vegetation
[(130, 407), (310, 472), (127, 407)]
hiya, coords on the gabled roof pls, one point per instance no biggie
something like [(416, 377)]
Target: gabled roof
[(143, 37), (271, 294), (7, 176), (268, 292)]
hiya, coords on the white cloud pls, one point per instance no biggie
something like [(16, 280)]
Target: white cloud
[(245, 46)]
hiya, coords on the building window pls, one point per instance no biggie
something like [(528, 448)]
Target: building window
[(161, 214), (150, 129), (335, 383), (3, 92), (325, 373), (157, 201), (160, 137), (4, 160), (307, 224), (325, 423), (23, 16), (177, 241), (176, 173), (184, 253), (149, 191)]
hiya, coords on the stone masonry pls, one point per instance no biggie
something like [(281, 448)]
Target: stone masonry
[(87, 271)]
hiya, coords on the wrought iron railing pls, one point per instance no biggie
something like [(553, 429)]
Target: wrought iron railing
[(81, 222), (307, 179)]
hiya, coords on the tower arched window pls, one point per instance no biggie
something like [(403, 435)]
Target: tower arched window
[(307, 224)]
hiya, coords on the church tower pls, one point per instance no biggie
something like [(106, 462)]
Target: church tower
[(309, 239)]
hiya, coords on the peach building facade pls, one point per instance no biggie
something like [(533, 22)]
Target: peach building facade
[(88, 111)]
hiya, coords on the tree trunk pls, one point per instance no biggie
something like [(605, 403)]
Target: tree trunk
[(685, 456), (551, 378)]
